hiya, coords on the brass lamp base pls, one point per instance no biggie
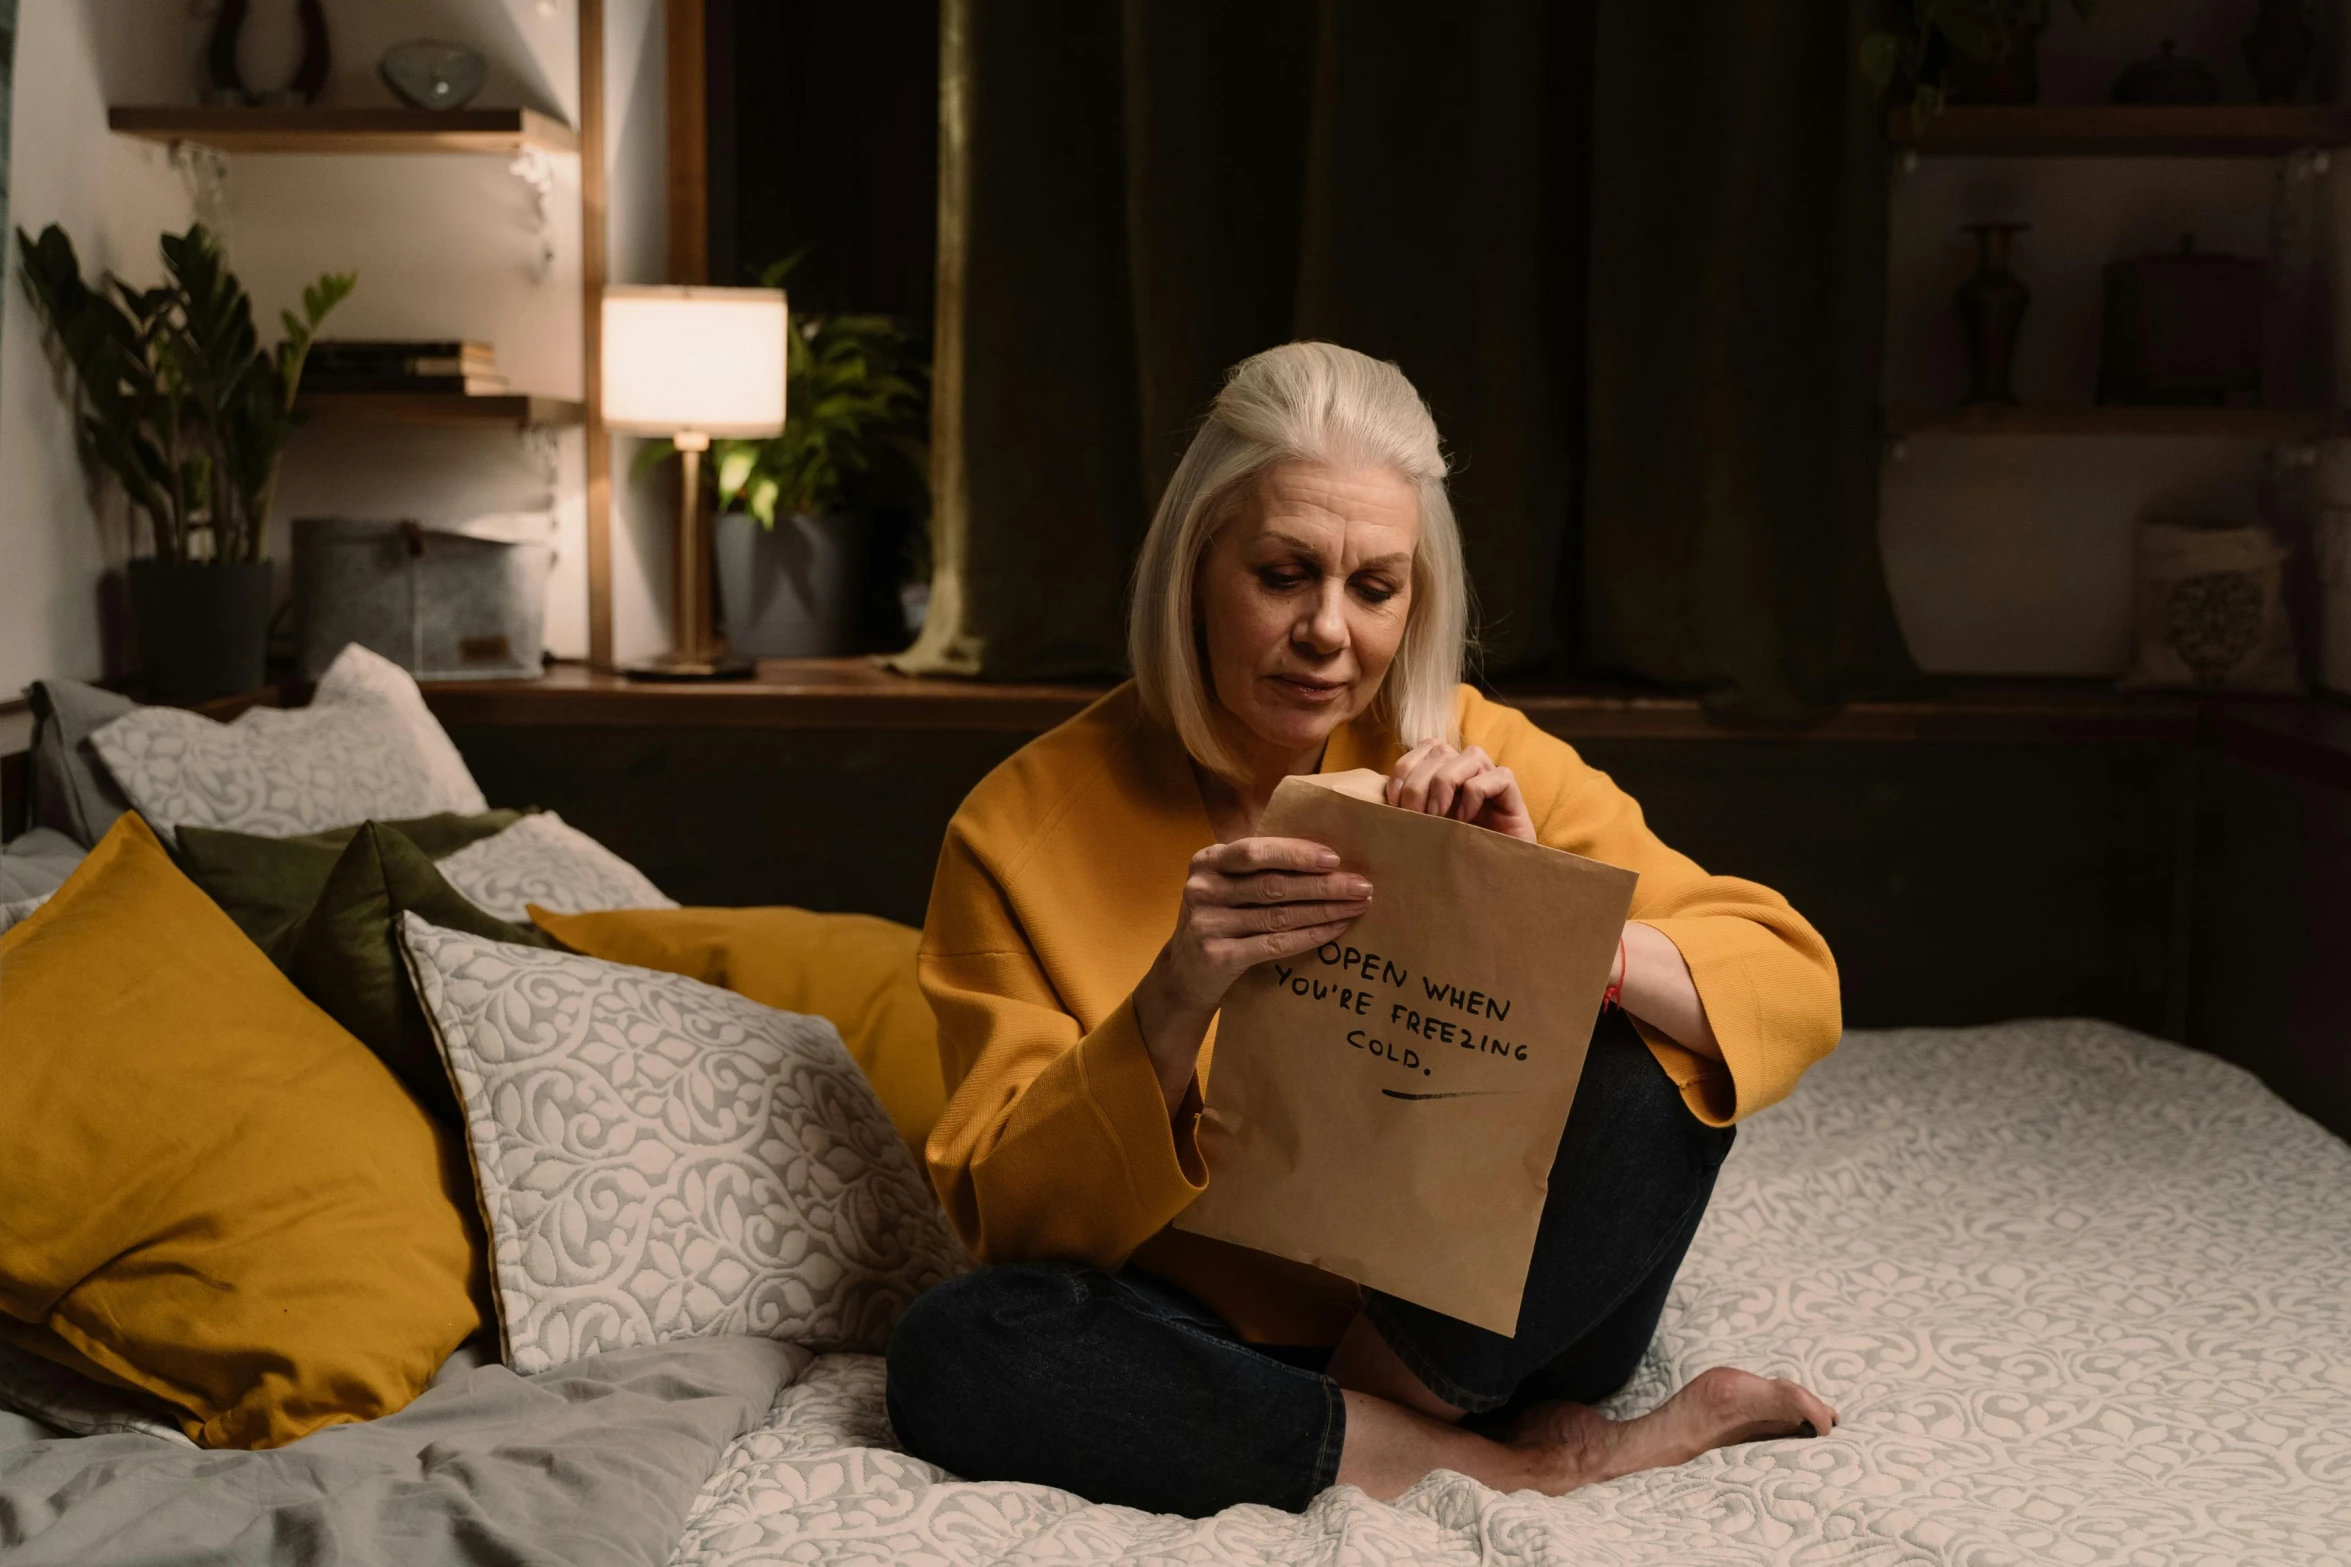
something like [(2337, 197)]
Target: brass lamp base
[(701, 653), (678, 667)]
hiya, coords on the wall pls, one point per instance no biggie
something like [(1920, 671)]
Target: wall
[(2013, 555), (2272, 950), (1957, 882), (644, 506), (114, 196), (443, 245)]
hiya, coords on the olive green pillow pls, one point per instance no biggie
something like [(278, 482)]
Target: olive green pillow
[(267, 885), (345, 954)]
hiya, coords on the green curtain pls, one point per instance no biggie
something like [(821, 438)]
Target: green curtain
[(1133, 198), (1737, 321), (1034, 474)]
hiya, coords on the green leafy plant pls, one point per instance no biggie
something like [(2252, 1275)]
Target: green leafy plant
[(177, 396), (1917, 44), (856, 387)]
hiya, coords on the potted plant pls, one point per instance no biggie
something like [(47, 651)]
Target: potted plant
[(182, 404), (1960, 51), (798, 544)]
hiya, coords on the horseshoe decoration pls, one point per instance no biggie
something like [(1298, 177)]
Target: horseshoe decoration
[(227, 84)]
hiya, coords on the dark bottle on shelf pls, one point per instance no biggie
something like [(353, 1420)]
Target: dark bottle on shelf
[(1991, 309)]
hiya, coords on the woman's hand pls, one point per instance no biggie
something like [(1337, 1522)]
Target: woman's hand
[(1245, 902), (1654, 979), (1436, 779)]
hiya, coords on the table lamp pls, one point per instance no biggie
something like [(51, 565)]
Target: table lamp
[(691, 363)]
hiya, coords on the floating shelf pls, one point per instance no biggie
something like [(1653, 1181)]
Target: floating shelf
[(521, 409), (2221, 130), (308, 130), (2252, 424)]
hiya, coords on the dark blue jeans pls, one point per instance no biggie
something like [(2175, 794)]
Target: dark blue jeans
[(1124, 1389)]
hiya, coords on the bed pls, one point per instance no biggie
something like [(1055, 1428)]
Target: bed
[(2079, 1295)]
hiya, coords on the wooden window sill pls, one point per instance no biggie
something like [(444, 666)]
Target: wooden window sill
[(851, 693), (2306, 736)]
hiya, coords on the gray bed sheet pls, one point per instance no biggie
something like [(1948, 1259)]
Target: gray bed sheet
[(594, 1465), (17, 1430)]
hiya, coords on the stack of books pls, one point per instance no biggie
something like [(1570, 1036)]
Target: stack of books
[(344, 365)]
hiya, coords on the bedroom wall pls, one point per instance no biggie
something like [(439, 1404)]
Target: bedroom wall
[(2010, 555), (2043, 879), (442, 245), (113, 195), (2271, 975), (636, 126)]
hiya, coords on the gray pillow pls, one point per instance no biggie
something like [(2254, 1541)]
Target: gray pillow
[(37, 864), (68, 1401), (72, 792)]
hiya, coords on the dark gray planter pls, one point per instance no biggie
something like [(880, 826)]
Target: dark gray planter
[(203, 627), (789, 591)]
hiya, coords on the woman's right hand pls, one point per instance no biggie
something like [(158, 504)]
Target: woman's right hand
[(1245, 903)]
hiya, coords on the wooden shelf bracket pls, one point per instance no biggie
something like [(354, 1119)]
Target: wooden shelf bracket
[(536, 170)]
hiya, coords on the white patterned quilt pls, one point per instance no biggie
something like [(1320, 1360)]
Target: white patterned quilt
[(2079, 1296)]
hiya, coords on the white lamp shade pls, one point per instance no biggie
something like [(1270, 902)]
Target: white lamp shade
[(706, 360)]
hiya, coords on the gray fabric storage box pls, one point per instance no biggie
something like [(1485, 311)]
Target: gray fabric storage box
[(443, 601)]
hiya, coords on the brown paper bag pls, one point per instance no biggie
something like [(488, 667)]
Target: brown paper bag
[(1388, 1108)]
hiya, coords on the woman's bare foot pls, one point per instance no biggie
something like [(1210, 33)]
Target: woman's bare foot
[(1571, 1445), (1556, 1447)]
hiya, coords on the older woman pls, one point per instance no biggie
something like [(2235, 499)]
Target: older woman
[(1300, 606)]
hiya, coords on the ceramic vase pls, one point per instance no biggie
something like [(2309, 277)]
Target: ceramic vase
[(2279, 48), (1991, 309)]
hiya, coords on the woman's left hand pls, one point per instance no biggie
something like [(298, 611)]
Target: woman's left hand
[(1466, 785), (1653, 979)]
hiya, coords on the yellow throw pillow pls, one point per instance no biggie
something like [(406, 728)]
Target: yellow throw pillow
[(213, 1193), (855, 970)]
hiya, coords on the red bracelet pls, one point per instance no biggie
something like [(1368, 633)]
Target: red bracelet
[(1613, 996)]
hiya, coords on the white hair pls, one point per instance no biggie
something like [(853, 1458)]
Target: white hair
[(1301, 402)]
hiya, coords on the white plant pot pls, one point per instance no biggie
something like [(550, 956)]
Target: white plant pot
[(789, 591)]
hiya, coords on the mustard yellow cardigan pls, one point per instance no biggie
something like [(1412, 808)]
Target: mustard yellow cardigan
[(1057, 885)]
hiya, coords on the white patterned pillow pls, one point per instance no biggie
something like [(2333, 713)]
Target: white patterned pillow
[(366, 746), (661, 1159), (542, 860)]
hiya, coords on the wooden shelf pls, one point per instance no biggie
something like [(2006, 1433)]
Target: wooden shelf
[(515, 408), (2245, 424), (2221, 130), (311, 130)]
